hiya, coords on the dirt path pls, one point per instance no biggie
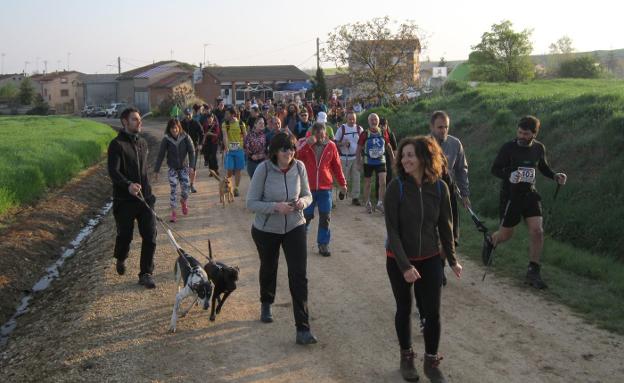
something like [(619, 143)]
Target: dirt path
[(94, 325)]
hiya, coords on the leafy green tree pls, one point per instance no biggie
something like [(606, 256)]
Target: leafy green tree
[(319, 86), (502, 55), (8, 93), (580, 67), (26, 92), (379, 60), (562, 46)]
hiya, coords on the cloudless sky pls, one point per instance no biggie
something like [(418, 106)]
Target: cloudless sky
[(270, 32)]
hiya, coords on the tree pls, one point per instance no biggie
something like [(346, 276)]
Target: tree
[(442, 62), (26, 92), (379, 60), (502, 55), (41, 107), (562, 46), (580, 67), (319, 86), (8, 93)]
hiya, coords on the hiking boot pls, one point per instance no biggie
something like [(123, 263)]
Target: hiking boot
[(380, 207), (147, 281), (193, 190), (341, 195), (369, 207), (486, 251), (324, 250), (533, 277), (174, 217), (408, 369), (236, 193), (266, 315), (120, 266), (184, 206), (305, 337), (356, 202), (431, 367)]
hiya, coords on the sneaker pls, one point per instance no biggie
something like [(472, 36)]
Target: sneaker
[(120, 266), (184, 206), (147, 281), (193, 190), (305, 337), (341, 195), (486, 251), (533, 277), (369, 207), (266, 315), (380, 207), (236, 193), (431, 367), (356, 202), (324, 250), (173, 218)]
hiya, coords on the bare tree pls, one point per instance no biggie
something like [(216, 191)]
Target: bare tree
[(377, 60)]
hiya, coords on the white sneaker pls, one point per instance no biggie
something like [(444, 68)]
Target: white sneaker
[(380, 207), (369, 207)]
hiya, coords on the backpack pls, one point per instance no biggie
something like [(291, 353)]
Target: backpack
[(343, 131), (373, 148)]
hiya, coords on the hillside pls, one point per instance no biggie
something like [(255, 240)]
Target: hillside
[(582, 130)]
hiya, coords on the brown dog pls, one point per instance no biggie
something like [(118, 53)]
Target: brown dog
[(226, 189)]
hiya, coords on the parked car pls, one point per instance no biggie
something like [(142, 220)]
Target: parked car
[(98, 112), (115, 108), (86, 111)]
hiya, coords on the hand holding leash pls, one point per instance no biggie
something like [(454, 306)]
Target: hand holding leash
[(134, 189)]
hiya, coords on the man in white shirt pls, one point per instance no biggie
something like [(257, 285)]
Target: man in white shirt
[(346, 138)]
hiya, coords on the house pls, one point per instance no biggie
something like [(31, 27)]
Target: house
[(99, 89), (135, 86), (235, 84), (15, 79), (169, 86), (63, 91)]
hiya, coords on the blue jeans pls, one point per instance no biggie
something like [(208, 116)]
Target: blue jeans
[(322, 198)]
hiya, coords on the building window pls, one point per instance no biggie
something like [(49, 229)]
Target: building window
[(64, 92), (63, 80)]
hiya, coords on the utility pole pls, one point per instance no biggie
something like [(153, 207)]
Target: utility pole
[(318, 56), (205, 45), (171, 52), (45, 66), (68, 54), (118, 65)]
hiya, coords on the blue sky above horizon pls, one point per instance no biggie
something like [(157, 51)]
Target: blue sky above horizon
[(269, 32)]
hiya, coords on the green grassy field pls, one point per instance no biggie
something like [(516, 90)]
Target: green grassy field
[(37, 153), (583, 130)]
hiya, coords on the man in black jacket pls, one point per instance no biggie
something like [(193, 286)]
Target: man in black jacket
[(127, 168), (193, 128), (516, 165)]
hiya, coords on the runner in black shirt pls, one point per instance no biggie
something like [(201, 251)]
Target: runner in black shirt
[(516, 164)]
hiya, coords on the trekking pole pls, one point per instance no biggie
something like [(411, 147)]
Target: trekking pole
[(485, 235)]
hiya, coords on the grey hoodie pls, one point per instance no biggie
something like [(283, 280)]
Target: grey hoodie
[(176, 150), (270, 185)]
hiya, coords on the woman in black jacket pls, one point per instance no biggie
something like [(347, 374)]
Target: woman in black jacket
[(418, 219), (177, 146)]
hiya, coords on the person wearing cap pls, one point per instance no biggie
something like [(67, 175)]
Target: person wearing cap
[(347, 137), (303, 125), (320, 156), (321, 117), (193, 128), (233, 136)]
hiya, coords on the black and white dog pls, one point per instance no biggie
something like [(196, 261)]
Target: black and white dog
[(194, 279), (224, 278)]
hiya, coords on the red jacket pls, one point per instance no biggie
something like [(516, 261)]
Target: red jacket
[(320, 174)]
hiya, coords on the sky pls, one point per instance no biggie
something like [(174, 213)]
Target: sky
[(88, 36)]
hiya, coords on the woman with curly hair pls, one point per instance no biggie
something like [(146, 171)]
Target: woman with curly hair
[(418, 219)]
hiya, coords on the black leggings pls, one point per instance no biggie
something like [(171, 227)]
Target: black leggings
[(210, 155), (428, 289), (296, 254), (125, 213)]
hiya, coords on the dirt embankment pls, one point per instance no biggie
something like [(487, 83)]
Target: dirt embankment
[(94, 325)]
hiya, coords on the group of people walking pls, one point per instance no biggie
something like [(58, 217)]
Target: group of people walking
[(294, 166)]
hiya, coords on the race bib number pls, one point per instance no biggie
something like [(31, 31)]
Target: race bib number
[(526, 175), (234, 145), (375, 152)]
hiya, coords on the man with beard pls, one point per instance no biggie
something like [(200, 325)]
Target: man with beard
[(516, 165)]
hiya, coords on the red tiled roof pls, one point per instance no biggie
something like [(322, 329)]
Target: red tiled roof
[(172, 80)]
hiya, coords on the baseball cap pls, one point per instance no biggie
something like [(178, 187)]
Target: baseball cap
[(188, 111), (321, 117)]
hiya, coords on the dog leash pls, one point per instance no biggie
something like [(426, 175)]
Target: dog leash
[(170, 230)]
